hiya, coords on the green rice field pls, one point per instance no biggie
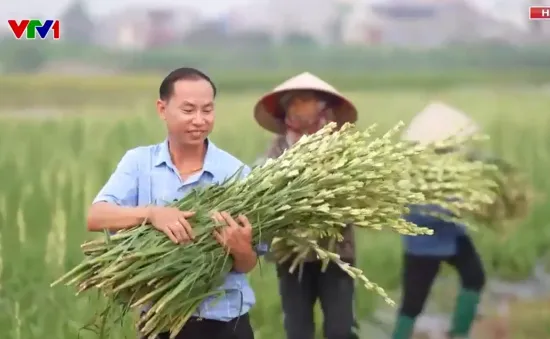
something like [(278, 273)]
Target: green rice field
[(53, 160)]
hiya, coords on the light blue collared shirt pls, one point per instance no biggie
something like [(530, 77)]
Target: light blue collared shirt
[(146, 175)]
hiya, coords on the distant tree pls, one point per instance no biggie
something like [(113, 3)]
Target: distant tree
[(76, 24), (299, 40), (251, 39), (207, 34), (22, 56), (337, 23)]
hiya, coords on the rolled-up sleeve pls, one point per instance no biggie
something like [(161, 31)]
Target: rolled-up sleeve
[(122, 187), (245, 172)]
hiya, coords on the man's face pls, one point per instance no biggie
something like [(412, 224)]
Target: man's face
[(189, 113)]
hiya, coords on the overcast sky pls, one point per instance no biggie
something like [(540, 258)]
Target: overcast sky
[(25, 8), (18, 9)]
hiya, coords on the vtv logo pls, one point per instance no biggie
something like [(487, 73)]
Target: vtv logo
[(34, 27)]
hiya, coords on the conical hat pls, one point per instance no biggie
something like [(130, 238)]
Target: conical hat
[(270, 115), (438, 122)]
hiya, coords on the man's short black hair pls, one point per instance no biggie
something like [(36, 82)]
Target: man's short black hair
[(166, 88)]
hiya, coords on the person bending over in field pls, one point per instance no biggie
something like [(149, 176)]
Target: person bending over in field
[(302, 105), (449, 243), (148, 177)]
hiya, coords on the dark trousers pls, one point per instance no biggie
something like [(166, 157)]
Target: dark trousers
[(421, 271), (238, 328), (301, 289)]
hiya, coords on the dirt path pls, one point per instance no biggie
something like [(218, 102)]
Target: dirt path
[(508, 310)]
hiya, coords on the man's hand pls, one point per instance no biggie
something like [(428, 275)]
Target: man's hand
[(236, 238), (236, 235), (172, 222)]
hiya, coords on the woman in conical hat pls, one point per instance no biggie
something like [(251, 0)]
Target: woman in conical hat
[(299, 106), (450, 243)]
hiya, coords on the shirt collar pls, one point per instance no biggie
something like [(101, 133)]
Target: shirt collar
[(210, 159)]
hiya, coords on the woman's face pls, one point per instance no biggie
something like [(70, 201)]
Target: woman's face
[(304, 113)]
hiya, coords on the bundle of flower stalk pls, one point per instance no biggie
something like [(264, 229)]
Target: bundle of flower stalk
[(325, 181), (513, 194)]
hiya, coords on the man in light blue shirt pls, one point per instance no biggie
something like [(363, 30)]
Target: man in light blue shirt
[(148, 177)]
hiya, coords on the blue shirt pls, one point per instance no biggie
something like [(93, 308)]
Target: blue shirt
[(442, 242), (146, 175)]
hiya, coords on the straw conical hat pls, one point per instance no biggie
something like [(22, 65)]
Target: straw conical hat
[(438, 122), (270, 115)]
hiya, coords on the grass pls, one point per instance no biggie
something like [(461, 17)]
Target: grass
[(52, 165)]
